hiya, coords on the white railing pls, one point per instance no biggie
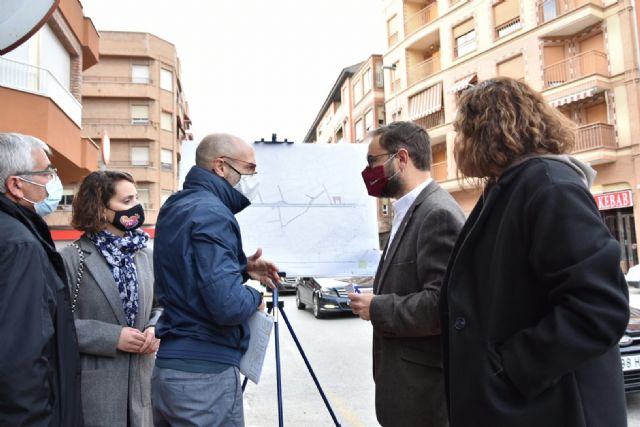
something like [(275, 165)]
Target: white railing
[(40, 81)]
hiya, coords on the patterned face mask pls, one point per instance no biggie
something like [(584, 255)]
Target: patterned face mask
[(129, 219)]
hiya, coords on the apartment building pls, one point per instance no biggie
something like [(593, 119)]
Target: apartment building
[(354, 106), (134, 96), (40, 89), (580, 54)]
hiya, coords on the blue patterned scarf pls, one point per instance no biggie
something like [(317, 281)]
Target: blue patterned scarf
[(119, 252)]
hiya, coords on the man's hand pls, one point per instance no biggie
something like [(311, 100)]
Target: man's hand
[(262, 270), (151, 343), (360, 304)]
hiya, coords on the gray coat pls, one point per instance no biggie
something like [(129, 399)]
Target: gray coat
[(407, 358), (114, 383)]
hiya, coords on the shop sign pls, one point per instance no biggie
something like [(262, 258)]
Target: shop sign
[(615, 200)]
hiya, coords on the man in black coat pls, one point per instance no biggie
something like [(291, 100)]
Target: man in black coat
[(39, 359)]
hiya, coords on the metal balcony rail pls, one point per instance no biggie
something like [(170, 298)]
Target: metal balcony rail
[(421, 18), (432, 120), (508, 27), (424, 69), (551, 9), (576, 67), (40, 81), (131, 163), (117, 122), (593, 136), (117, 79)]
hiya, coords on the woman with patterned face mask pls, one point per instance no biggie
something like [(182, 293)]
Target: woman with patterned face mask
[(110, 274)]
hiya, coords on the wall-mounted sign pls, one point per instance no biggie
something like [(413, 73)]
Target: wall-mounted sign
[(614, 200)]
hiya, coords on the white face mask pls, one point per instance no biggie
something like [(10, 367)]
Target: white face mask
[(248, 186)]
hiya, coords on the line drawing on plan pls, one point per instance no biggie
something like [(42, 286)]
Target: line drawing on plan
[(332, 202)]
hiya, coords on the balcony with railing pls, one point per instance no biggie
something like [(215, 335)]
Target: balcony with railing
[(119, 87), (431, 121), (39, 81), (576, 67), (140, 170), (120, 128), (595, 136), (421, 18), (424, 69), (587, 13)]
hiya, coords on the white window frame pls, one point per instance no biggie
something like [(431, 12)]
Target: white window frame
[(138, 154), (166, 79), (166, 121), (140, 78)]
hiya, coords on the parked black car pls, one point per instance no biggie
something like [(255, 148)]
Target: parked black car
[(630, 352), (287, 285), (327, 296)]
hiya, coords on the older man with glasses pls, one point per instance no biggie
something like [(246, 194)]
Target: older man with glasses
[(39, 360)]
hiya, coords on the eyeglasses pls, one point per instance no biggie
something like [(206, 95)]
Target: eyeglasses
[(372, 159), (52, 172), (251, 166)]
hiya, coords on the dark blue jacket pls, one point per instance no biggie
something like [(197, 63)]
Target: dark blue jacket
[(199, 271)]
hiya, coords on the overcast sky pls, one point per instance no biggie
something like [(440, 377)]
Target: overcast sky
[(254, 67)]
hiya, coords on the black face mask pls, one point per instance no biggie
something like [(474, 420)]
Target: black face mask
[(130, 219)]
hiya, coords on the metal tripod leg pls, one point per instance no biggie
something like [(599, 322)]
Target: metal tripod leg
[(280, 309)]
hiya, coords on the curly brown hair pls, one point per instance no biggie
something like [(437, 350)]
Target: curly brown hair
[(501, 120), (92, 198)]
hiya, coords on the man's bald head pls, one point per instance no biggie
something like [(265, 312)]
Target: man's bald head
[(219, 145)]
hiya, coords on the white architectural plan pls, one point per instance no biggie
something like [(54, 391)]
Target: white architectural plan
[(312, 215)]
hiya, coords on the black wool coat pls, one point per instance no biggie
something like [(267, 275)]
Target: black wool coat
[(533, 305), (39, 358)]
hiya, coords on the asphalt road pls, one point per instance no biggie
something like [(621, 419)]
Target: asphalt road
[(339, 350)]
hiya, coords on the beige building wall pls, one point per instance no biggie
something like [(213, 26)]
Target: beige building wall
[(134, 95), (580, 54)]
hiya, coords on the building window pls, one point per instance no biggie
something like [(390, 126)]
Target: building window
[(357, 91), (368, 121), (380, 113), (166, 121), (140, 114), (379, 76), (513, 68), (385, 209), (166, 159), (465, 38), (367, 81), (67, 200), (140, 156), (140, 73), (359, 131), (392, 30), (506, 15), (164, 195), (166, 80), (143, 197)]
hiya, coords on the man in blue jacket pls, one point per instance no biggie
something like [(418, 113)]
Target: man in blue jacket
[(200, 269)]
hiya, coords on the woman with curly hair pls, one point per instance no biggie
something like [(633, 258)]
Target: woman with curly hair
[(533, 303), (110, 275)]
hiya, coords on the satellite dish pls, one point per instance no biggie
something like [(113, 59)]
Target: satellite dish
[(105, 144), (21, 19)]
